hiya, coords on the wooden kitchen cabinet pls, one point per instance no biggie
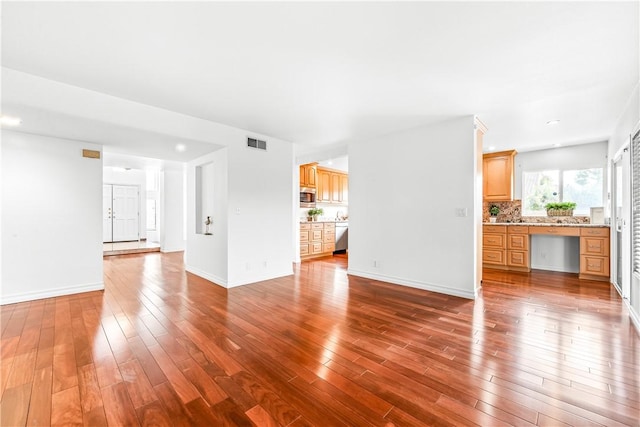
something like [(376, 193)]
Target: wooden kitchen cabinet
[(308, 176), (594, 253), (498, 176), (333, 186), (317, 239), (506, 247), (494, 245)]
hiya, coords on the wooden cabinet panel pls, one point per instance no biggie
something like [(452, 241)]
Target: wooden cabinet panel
[(317, 226), (494, 229), (304, 236), (316, 235), (329, 237), (323, 194), (305, 226), (594, 231), (594, 265), (308, 175), (333, 186), (316, 248), (493, 241), (328, 247), (518, 242), (518, 229), (598, 246), (518, 259), (497, 171), (493, 256), (555, 230), (304, 249)]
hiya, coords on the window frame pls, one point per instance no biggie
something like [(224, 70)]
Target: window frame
[(561, 172)]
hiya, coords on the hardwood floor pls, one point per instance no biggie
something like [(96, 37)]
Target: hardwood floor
[(160, 347)]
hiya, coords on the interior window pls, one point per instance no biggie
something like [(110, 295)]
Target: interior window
[(581, 186)]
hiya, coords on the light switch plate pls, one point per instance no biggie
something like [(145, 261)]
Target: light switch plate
[(461, 212)]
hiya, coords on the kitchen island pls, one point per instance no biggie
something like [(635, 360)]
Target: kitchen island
[(506, 246)]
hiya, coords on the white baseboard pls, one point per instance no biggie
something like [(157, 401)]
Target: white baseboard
[(210, 277), (260, 279), (413, 284), (170, 249), (553, 268), (50, 293)]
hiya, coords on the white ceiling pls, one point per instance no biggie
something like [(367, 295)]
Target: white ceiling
[(327, 73)]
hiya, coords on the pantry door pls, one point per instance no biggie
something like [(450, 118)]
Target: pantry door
[(107, 224), (125, 213)]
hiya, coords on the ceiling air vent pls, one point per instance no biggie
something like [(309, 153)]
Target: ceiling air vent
[(256, 143)]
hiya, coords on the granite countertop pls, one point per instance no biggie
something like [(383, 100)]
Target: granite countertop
[(322, 221), (546, 224)]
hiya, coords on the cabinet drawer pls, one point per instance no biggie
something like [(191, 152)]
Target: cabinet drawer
[(305, 226), (316, 248), (594, 231), (304, 249), (316, 235), (595, 265), (598, 246), (329, 226), (555, 231), (304, 235), (493, 240), (329, 237), (517, 229), (329, 247), (491, 256), (498, 229), (518, 258), (518, 242), (317, 226)]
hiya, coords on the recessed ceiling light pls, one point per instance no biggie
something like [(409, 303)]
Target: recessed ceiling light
[(330, 162), (557, 145), (492, 148), (553, 122), (10, 121), (181, 148)]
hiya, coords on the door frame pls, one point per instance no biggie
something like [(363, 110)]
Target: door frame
[(138, 188), (622, 157)]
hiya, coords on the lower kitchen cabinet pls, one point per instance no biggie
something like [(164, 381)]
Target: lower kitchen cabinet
[(317, 239), (594, 253)]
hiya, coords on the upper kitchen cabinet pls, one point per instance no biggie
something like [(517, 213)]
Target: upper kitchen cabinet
[(308, 175), (333, 186), (497, 171)]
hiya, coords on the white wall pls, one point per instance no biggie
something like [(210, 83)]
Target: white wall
[(172, 237), (51, 219), (403, 193), (207, 256), (261, 223), (253, 219), (136, 177)]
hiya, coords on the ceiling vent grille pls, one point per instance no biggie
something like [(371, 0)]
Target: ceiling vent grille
[(256, 143)]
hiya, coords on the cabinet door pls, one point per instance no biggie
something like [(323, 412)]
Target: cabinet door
[(316, 235), (304, 249), (518, 242), (497, 170), (518, 258), (311, 176), (316, 248), (335, 187), (304, 236), (594, 246), (594, 265), (323, 193), (344, 188), (493, 256), (493, 241)]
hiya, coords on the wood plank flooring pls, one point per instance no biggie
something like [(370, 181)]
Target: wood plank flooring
[(162, 347)]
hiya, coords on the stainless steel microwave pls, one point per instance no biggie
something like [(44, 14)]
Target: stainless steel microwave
[(307, 197)]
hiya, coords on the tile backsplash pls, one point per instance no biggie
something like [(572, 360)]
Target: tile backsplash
[(512, 212)]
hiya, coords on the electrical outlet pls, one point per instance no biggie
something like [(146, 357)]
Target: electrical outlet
[(376, 264), (461, 212), (237, 211)]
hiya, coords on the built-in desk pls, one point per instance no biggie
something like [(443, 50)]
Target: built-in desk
[(506, 246)]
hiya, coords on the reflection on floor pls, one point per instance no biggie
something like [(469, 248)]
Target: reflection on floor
[(136, 247)]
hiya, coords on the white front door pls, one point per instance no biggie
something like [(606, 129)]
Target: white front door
[(125, 213), (107, 224)]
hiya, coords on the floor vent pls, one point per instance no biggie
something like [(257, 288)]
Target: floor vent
[(256, 143)]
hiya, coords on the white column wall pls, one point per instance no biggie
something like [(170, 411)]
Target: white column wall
[(172, 237), (404, 192)]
